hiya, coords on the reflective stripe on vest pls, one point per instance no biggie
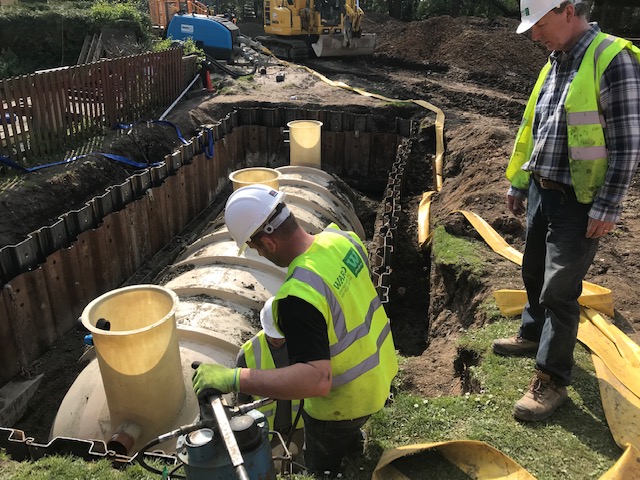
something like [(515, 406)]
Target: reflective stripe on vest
[(345, 338), (585, 125), (331, 277)]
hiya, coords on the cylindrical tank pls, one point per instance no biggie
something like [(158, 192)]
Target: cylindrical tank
[(305, 143), (220, 296), (249, 176), (138, 356)]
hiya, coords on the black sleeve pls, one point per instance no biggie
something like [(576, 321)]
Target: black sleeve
[(241, 361), (305, 329)]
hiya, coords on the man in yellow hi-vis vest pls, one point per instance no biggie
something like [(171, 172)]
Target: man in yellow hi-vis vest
[(341, 352), (266, 350), (574, 157)]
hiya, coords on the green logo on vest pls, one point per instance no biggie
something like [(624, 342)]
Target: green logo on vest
[(526, 12), (353, 261)]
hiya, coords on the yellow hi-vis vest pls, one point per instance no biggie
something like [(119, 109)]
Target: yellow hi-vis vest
[(258, 355), (333, 276), (588, 158)]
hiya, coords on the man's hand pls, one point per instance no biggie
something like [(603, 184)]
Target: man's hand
[(217, 377), (598, 228), (515, 205)]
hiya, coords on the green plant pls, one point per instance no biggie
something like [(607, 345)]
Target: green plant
[(9, 64), (399, 104), (458, 253), (107, 13), (189, 47), (49, 35), (161, 44)]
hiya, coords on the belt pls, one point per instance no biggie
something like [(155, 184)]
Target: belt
[(547, 184)]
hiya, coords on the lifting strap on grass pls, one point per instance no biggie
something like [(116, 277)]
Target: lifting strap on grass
[(616, 359), (476, 459), (511, 302)]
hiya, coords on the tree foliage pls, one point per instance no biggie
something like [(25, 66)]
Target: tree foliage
[(40, 35)]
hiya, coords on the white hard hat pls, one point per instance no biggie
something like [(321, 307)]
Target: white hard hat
[(266, 320), (533, 10), (249, 208)]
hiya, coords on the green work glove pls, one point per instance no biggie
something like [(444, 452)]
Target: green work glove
[(216, 377)]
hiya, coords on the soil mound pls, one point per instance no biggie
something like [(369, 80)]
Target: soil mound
[(482, 47)]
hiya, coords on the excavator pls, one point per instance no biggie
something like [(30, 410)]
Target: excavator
[(332, 28), (294, 29)]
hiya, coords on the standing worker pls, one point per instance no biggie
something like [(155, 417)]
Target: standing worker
[(266, 350), (341, 352), (573, 160)]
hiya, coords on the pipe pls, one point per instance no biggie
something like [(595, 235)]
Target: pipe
[(124, 438), (175, 102)]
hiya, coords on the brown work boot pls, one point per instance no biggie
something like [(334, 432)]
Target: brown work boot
[(542, 399), (513, 346)]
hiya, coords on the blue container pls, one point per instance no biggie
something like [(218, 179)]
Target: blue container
[(206, 458), (215, 35)]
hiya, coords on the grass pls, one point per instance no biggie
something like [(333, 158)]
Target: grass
[(458, 253), (574, 444), (68, 468), (399, 104)]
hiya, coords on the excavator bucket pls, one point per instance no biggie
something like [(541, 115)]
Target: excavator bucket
[(337, 45)]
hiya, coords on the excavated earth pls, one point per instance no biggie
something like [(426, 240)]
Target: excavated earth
[(479, 72)]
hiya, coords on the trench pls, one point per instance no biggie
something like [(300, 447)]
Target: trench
[(386, 172)]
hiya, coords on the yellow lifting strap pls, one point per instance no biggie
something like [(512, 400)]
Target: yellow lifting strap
[(511, 302), (476, 459), (438, 161), (615, 356)]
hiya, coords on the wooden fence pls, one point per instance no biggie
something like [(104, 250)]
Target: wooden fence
[(42, 112)]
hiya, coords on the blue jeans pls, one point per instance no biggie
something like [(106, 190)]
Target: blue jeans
[(557, 256), (327, 443)]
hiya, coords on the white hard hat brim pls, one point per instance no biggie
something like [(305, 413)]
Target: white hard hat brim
[(525, 25), (266, 320)]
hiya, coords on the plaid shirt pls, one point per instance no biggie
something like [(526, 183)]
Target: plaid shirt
[(620, 105)]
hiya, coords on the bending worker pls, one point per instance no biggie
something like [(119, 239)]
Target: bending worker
[(267, 350), (341, 352), (574, 158)]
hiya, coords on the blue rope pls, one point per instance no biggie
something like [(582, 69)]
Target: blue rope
[(118, 158), (120, 126), (129, 126), (208, 149)]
